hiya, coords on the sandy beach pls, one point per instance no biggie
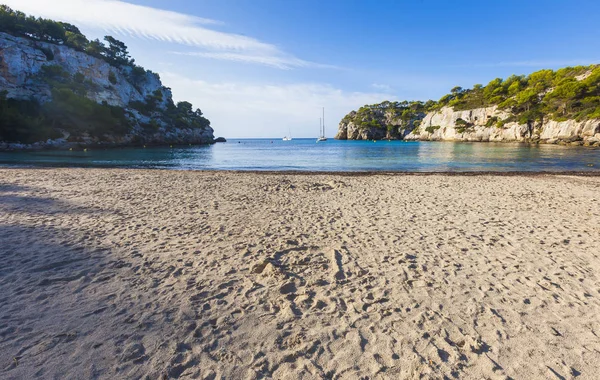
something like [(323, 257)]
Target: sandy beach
[(109, 274)]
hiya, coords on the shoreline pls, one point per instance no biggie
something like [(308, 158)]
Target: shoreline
[(6, 147), (368, 173), (80, 147)]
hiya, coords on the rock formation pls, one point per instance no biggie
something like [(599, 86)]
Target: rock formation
[(387, 120), (481, 124), (395, 129), (24, 62)]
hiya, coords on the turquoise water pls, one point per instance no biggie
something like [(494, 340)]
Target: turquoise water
[(332, 155)]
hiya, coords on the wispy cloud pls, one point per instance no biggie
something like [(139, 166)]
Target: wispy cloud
[(532, 63), (284, 62), (382, 87), (122, 18)]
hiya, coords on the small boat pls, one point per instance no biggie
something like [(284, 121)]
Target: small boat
[(322, 128), (285, 138)]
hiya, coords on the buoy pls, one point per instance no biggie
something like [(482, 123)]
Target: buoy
[(71, 149), (85, 149), (171, 146), (144, 146)]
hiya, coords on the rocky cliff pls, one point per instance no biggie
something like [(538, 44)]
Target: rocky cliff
[(387, 120), (479, 124), (487, 124), (395, 128), (28, 71)]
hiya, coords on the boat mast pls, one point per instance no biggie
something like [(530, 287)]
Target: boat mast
[(323, 135), (320, 134)]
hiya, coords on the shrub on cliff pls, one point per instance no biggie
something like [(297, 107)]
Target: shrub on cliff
[(79, 115), (376, 115), (27, 121), (23, 121), (183, 116), (432, 128), (112, 78), (58, 78)]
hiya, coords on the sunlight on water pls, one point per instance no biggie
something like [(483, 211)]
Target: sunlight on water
[(306, 155)]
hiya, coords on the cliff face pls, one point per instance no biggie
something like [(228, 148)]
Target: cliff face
[(22, 63), (480, 124)]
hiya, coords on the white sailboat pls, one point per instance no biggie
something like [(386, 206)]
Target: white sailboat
[(286, 138), (322, 129)]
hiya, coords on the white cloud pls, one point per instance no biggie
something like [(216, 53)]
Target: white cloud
[(269, 110), (382, 87), (122, 18)]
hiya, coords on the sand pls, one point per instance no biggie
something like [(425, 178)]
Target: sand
[(133, 273)]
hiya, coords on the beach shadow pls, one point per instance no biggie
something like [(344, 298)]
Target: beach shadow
[(24, 199), (11, 188), (49, 277), (71, 291)]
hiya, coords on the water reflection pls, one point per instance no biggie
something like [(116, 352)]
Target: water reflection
[(305, 154)]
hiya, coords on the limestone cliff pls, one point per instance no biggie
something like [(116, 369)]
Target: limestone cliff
[(24, 63), (488, 124)]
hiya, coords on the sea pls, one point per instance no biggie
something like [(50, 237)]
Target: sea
[(328, 156)]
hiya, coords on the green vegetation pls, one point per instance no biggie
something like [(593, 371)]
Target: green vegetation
[(183, 116), (112, 78), (180, 115), (568, 93), (22, 120), (375, 116), (28, 121), (78, 115), (432, 129), (462, 125)]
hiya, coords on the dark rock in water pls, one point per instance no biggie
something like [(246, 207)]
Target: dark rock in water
[(220, 139)]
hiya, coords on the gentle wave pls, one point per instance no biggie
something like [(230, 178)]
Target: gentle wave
[(332, 155)]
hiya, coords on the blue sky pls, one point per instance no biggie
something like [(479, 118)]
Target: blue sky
[(258, 68)]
